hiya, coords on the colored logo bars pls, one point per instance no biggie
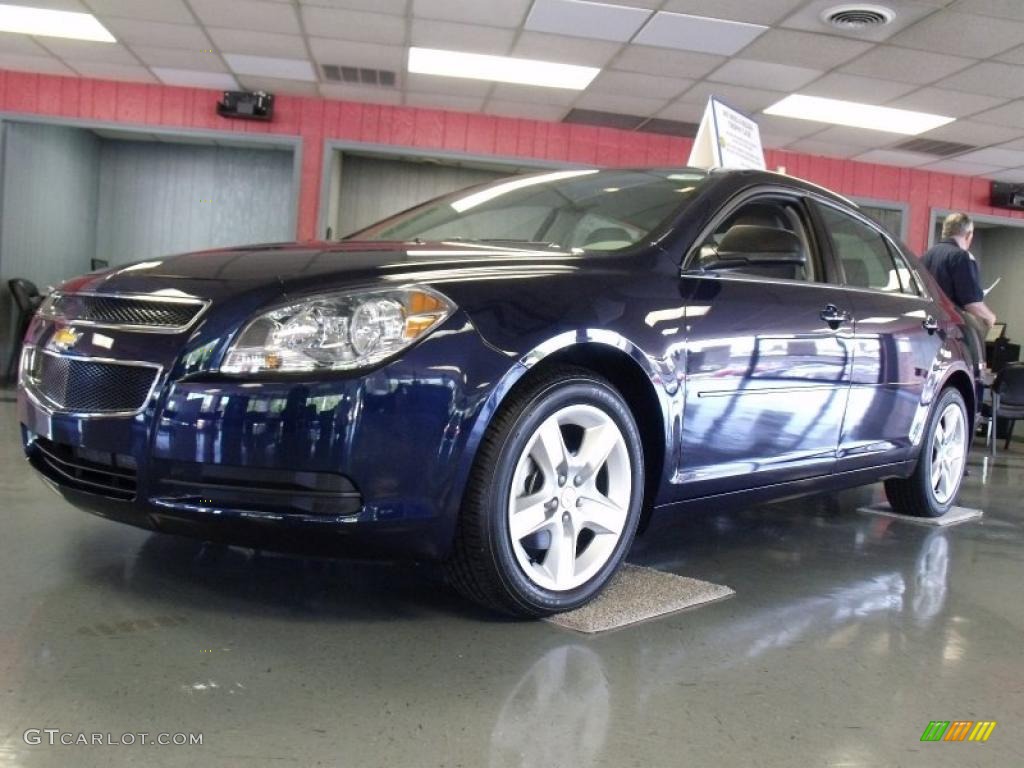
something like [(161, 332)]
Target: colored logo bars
[(958, 730)]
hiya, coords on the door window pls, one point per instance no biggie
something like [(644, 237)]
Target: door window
[(866, 257)]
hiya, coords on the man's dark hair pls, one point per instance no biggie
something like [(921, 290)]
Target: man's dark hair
[(957, 225)]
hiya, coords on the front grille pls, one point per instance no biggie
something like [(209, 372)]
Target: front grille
[(89, 386), (108, 474), (120, 311)]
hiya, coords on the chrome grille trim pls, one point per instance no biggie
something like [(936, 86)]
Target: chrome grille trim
[(35, 392), (106, 312)]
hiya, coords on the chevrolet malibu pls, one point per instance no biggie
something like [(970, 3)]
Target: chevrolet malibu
[(510, 379)]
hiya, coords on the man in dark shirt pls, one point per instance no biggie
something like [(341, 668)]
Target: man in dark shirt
[(956, 270)]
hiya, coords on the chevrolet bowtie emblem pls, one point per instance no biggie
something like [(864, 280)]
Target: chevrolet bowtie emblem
[(65, 339)]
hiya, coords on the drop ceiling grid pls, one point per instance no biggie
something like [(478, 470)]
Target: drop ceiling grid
[(980, 69)]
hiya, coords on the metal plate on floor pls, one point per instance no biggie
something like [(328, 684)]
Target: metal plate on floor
[(953, 517), (637, 594)]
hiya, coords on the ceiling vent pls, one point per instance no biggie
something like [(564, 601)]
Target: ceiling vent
[(934, 147), (337, 73), (855, 17)]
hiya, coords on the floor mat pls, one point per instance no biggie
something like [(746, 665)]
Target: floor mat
[(954, 516), (637, 594)]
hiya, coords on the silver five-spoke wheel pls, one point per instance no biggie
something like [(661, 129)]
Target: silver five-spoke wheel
[(949, 452), (570, 497)]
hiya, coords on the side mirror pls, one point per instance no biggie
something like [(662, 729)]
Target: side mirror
[(753, 245)]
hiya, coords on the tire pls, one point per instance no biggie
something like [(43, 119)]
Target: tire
[(933, 488), (565, 450)]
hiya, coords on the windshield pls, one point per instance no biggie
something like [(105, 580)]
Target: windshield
[(586, 209)]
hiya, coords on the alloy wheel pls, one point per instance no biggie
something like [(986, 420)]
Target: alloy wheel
[(949, 453)]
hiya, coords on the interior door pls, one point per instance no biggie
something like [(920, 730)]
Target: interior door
[(769, 363), (895, 345)]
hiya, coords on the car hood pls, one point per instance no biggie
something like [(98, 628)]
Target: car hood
[(297, 267)]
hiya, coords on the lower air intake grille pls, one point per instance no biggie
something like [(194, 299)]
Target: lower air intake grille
[(89, 386), (107, 474)]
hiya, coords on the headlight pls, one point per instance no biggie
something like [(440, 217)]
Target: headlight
[(337, 332)]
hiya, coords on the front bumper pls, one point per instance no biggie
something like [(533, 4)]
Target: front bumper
[(370, 465)]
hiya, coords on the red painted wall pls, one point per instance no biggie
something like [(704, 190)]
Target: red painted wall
[(316, 120)]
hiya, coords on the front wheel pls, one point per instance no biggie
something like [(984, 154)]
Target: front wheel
[(933, 488), (553, 502)]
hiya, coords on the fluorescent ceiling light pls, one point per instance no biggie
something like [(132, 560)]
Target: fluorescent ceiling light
[(477, 198), (47, 23), (500, 69), (857, 115)]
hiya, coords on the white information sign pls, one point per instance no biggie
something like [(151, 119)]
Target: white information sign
[(726, 139)]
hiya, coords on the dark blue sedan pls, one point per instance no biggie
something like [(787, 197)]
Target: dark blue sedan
[(509, 379)]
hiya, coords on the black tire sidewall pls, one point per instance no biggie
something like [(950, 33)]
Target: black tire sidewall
[(924, 470), (574, 390)]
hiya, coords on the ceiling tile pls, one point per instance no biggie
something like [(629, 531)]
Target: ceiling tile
[(83, 50), (173, 11), (448, 35), (908, 12), (371, 55), (477, 89), (57, 5), (962, 34), (360, 93), (949, 103), (622, 103), (894, 157), (547, 112), (507, 13), (270, 66), (1011, 115), (1012, 56), (1007, 9), (978, 134), (11, 42), (866, 90), (255, 15), (656, 61), (990, 78), (635, 84), (960, 168), (1015, 144), (858, 137), (354, 25), (179, 58), (107, 71), (135, 32), (567, 50), (394, 7), (534, 95), (761, 74), (906, 65), (278, 86), (826, 148), (684, 111), (738, 97), (1014, 176), (193, 79), (25, 62), (697, 33), (444, 101), (759, 12), (998, 156), (577, 18), (804, 49), (258, 43)]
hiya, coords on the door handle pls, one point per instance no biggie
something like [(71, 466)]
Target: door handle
[(930, 324), (834, 316)]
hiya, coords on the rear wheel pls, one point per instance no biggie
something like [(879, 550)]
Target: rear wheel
[(552, 505), (933, 488)]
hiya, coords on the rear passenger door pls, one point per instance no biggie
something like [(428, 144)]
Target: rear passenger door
[(895, 341)]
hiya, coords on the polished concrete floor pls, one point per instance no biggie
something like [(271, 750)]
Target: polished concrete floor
[(848, 634)]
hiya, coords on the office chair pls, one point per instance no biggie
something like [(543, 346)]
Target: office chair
[(1007, 402), (26, 301)]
